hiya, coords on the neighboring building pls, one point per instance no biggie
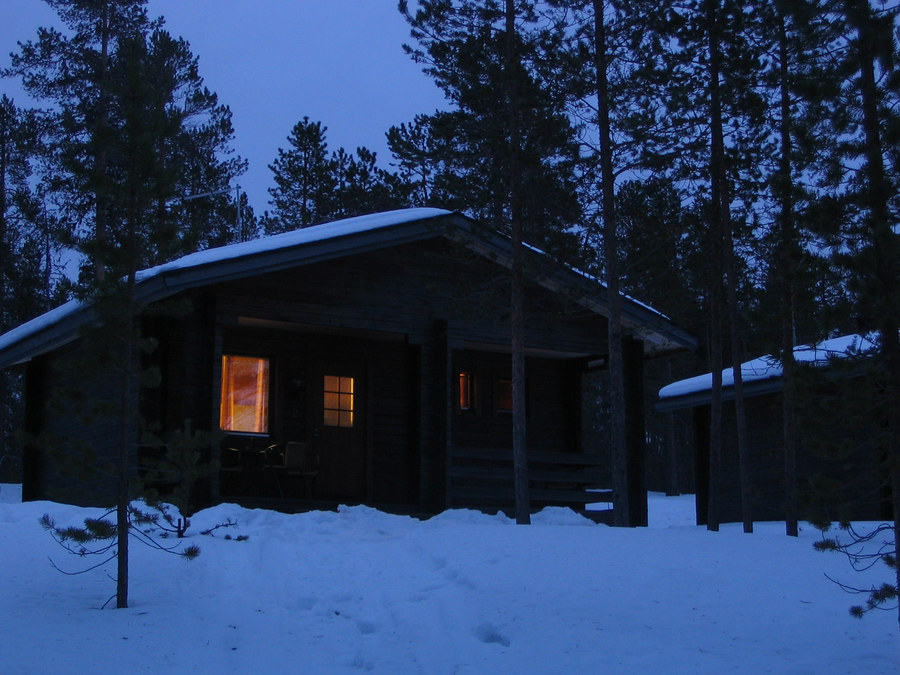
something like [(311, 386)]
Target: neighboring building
[(359, 361), (842, 475)]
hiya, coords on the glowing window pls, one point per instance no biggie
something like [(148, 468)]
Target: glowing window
[(244, 405), (338, 404), (466, 391)]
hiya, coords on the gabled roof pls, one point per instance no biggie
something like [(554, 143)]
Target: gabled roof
[(324, 242), (762, 375)]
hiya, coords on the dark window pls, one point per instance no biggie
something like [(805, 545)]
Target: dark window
[(504, 395)]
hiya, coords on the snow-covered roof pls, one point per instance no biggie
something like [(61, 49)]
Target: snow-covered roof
[(72, 312), (770, 367), (294, 238), (305, 246)]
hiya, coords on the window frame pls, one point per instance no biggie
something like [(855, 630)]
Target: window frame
[(267, 407), (500, 383), (471, 391), (343, 399)]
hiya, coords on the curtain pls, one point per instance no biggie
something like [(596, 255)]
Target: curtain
[(244, 404)]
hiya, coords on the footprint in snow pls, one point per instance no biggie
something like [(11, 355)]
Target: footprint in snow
[(489, 634), (366, 627)]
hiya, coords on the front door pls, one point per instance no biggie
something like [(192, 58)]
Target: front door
[(338, 431)]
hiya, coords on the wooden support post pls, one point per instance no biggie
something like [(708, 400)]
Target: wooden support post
[(33, 467), (633, 362), (435, 443)]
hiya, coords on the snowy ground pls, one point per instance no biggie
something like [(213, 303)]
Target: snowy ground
[(359, 590)]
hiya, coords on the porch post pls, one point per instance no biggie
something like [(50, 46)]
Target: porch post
[(216, 388), (33, 466), (633, 358), (435, 389)]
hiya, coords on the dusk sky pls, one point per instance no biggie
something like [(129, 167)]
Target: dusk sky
[(340, 62)]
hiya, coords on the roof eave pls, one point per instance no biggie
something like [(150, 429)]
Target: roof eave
[(657, 332), (771, 385), (644, 323), (176, 280), (168, 282)]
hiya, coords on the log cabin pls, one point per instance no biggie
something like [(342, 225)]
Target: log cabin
[(365, 360), (839, 464)]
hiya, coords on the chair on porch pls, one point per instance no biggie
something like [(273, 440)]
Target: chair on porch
[(299, 460), (231, 471)]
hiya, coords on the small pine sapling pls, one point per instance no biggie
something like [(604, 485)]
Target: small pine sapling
[(99, 537), (170, 478), (864, 550)]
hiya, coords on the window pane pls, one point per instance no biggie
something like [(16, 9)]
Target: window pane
[(466, 391), (338, 401), (244, 403)]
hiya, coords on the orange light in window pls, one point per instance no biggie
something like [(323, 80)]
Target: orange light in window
[(466, 391), (338, 401), (244, 404)]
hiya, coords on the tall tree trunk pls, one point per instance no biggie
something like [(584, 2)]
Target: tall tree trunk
[(673, 487), (883, 241), (517, 285), (122, 525), (100, 140), (719, 220), (618, 438), (6, 141), (721, 205), (787, 257), (128, 416)]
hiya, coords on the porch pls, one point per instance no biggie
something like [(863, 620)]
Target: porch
[(286, 477), (482, 478)]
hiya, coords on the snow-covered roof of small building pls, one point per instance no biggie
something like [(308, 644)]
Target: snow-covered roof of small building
[(767, 368), (309, 245)]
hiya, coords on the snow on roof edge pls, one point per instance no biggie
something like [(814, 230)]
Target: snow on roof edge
[(39, 323), (769, 366), (306, 235), (590, 277), (333, 229), (299, 237)]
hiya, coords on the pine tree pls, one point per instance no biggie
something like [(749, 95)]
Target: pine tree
[(867, 245), (702, 118), (304, 179), (132, 127), (626, 513), (312, 187), (462, 44), (361, 186), (22, 292), (482, 56), (413, 147), (88, 81), (73, 71), (797, 76), (596, 47)]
